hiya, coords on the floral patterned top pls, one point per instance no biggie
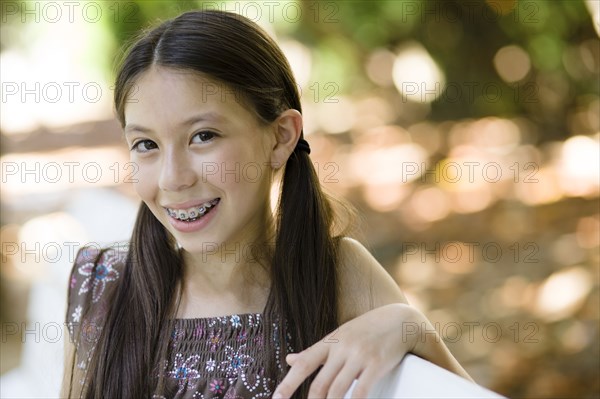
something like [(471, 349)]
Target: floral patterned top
[(214, 357)]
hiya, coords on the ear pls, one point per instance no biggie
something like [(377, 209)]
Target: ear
[(288, 127)]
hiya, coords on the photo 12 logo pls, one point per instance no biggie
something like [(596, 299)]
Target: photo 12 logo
[(526, 12), (53, 12), (455, 252), (454, 171), (288, 11), (50, 92), (490, 332), (468, 92)]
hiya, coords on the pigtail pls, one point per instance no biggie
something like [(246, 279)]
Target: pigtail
[(304, 261), (136, 332)]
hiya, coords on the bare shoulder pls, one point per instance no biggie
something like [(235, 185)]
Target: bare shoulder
[(364, 284)]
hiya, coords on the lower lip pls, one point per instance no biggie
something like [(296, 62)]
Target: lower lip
[(188, 227)]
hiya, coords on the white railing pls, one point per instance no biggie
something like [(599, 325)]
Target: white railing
[(416, 378)]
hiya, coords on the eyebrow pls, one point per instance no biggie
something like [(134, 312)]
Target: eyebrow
[(207, 116)]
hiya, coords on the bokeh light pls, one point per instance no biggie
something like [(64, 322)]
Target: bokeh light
[(416, 75)]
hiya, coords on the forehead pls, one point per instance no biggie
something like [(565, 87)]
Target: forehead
[(164, 95)]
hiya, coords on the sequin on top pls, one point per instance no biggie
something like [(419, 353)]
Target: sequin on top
[(211, 357)]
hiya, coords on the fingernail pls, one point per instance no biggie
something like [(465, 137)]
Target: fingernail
[(277, 395)]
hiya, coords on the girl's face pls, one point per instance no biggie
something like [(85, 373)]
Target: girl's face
[(203, 159)]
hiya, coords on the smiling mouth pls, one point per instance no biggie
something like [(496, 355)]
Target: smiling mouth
[(193, 213)]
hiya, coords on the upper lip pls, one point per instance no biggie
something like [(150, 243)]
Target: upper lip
[(187, 204)]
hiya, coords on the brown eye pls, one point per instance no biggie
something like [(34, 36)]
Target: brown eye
[(144, 146), (203, 136)]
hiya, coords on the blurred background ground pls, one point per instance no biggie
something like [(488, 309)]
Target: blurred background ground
[(466, 134)]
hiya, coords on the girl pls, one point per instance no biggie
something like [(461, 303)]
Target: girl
[(216, 295)]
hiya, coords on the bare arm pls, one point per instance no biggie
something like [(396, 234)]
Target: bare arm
[(360, 272), (427, 342), (377, 329)]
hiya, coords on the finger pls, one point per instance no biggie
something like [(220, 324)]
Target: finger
[(320, 385), (291, 357), (304, 365), (367, 380), (342, 382)]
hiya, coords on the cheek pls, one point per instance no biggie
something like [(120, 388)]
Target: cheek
[(145, 182), (237, 170)]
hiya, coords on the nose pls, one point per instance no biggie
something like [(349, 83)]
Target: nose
[(177, 172)]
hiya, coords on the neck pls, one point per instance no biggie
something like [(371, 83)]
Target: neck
[(220, 284), (224, 268), (237, 268)]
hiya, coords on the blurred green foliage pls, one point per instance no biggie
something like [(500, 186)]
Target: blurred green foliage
[(461, 36)]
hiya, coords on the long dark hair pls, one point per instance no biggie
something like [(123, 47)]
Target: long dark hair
[(134, 341)]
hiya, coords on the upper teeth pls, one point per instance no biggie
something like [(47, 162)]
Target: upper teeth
[(193, 212)]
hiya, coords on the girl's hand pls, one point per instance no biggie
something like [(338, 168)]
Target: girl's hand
[(365, 348)]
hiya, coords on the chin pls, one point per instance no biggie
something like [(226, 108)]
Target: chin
[(198, 246)]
